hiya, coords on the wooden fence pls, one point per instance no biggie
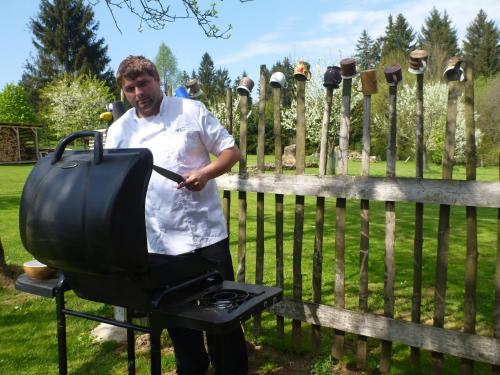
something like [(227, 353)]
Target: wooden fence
[(445, 192)]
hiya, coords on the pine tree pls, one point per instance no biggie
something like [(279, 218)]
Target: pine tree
[(439, 38), (399, 36), (64, 36), (481, 45), (438, 31), (206, 75), (166, 63), (367, 52), (221, 82)]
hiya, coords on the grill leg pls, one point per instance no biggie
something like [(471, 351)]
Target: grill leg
[(61, 332), (154, 338), (130, 345), (219, 354)]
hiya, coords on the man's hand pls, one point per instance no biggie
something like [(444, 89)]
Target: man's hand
[(196, 180)]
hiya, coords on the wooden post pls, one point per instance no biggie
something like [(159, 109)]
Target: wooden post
[(226, 200), (339, 292), (259, 258), (242, 195), (471, 217), (280, 278), (369, 87), (299, 208), (496, 312), (418, 239), (390, 227), (320, 218), (444, 222)]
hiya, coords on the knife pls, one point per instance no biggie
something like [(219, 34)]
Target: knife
[(169, 174)]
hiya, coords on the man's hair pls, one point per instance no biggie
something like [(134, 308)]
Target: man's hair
[(133, 66)]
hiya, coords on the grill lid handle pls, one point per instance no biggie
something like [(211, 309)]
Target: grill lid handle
[(70, 138)]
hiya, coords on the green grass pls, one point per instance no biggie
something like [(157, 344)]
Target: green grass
[(27, 323)]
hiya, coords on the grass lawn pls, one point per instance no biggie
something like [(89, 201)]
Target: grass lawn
[(28, 342)]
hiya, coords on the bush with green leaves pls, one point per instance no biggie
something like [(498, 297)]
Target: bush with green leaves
[(74, 103), (14, 105)]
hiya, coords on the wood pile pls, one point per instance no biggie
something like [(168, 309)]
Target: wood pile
[(8, 145)]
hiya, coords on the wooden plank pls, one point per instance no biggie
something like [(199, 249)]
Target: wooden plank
[(456, 343), (451, 192), (261, 131), (242, 198), (418, 239), (364, 240), (471, 218), (390, 229), (279, 207), (300, 162), (444, 221)]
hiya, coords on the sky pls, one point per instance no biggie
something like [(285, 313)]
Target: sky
[(263, 31)]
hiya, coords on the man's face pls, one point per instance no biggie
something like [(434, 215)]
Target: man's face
[(144, 93)]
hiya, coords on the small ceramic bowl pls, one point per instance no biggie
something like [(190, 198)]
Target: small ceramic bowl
[(39, 271)]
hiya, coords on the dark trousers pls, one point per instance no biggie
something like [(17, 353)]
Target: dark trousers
[(228, 351)]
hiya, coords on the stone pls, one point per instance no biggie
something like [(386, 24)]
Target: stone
[(289, 155), (107, 332)]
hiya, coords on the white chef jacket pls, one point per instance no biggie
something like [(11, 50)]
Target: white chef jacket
[(180, 136)]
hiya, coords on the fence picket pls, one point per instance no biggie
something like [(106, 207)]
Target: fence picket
[(339, 292), (471, 218), (226, 195), (300, 161), (444, 221), (259, 256), (280, 278), (418, 240), (242, 196), (390, 229), (364, 241), (320, 219)]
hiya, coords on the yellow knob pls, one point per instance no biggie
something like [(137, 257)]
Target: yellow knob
[(106, 116)]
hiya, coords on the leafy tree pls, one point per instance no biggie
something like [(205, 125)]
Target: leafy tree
[(73, 104), (435, 94), (166, 63), (399, 36), (157, 14), (14, 105), (487, 94), (481, 45), (64, 36), (367, 52)]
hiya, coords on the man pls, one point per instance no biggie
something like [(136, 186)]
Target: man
[(185, 217)]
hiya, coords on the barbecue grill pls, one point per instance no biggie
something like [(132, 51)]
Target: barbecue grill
[(82, 212)]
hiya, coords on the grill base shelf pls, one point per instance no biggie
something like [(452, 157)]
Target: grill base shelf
[(216, 309)]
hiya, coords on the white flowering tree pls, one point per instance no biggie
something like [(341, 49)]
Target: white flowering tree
[(73, 104), (315, 99), (435, 106)]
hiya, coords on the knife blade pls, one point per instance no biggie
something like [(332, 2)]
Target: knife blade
[(169, 174)]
